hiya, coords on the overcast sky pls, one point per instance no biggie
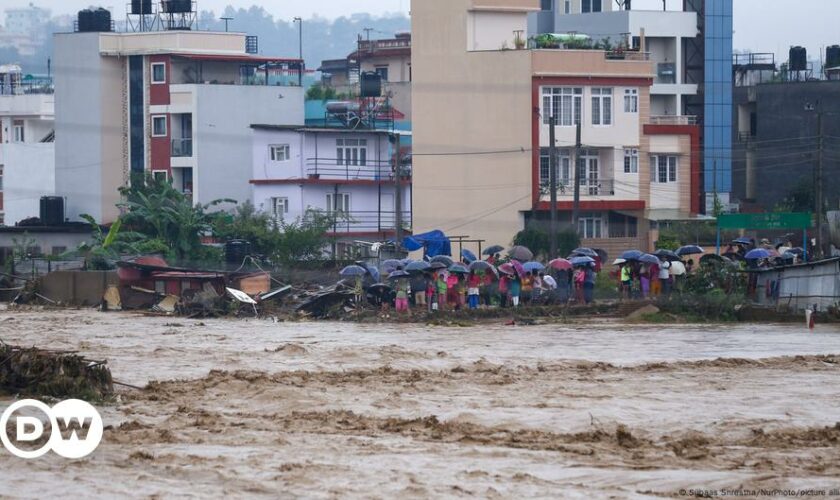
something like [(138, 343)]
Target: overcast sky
[(760, 25)]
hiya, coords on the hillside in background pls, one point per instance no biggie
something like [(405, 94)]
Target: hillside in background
[(322, 38)]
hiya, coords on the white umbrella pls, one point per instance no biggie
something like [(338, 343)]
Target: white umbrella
[(618, 262), (677, 268)]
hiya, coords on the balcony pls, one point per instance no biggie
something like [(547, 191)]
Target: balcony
[(588, 187), (182, 148), (673, 120), (369, 221), (666, 73), (372, 170)]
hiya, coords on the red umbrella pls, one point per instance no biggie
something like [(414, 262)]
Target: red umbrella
[(520, 270), (560, 264)]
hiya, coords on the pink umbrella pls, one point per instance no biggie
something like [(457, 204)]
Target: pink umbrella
[(507, 269), (560, 264), (520, 270)]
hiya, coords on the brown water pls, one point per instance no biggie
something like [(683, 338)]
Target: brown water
[(256, 408)]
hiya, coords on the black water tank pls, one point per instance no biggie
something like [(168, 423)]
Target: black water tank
[(52, 210), (236, 251), (85, 20), (177, 6), (832, 56), (371, 84), (141, 7), (798, 58), (94, 20)]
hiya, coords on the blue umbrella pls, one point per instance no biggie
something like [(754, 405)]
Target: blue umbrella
[(581, 261), (668, 254), (493, 250), (585, 252), (407, 261), (796, 251), (690, 250), (533, 266), (353, 271), (742, 241), (391, 265), (468, 256), (632, 255), (397, 274), (418, 265), (459, 268), (758, 253), (648, 259), (374, 272), (443, 259)]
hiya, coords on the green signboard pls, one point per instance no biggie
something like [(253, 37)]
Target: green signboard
[(771, 220)]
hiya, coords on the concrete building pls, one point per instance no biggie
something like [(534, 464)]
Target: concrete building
[(345, 170), (692, 50), (177, 104), (27, 152), (778, 141), (390, 58), (481, 132)]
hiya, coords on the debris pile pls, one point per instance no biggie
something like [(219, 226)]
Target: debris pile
[(58, 374)]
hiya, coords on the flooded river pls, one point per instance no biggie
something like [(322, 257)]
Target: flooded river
[(257, 408)]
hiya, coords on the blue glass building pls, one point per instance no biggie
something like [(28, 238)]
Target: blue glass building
[(718, 100)]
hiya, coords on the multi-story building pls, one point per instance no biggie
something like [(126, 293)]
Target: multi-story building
[(390, 58), (176, 104), (691, 49), (27, 153), (482, 116), (333, 170)]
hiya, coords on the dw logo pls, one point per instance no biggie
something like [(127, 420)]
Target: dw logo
[(75, 429)]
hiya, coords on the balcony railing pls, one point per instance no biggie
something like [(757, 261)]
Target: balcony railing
[(588, 187), (182, 148), (369, 221), (626, 55), (370, 171), (666, 73), (673, 120)]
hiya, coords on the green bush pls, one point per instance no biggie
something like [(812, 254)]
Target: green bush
[(537, 240)]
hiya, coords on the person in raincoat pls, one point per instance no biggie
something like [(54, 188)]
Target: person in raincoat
[(473, 285), (578, 280), (430, 291), (626, 280), (440, 291), (403, 289), (504, 290), (515, 290)]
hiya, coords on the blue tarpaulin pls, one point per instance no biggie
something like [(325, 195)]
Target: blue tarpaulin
[(435, 243)]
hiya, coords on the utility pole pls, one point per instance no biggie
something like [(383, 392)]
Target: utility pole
[(576, 166), (398, 191), (818, 187), (299, 20), (552, 185), (226, 20)]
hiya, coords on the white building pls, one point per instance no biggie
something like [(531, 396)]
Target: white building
[(666, 35), (177, 104), (296, 169), (27, 151)]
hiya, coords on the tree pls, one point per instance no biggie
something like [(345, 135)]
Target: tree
[(538, 241), (106, 247)]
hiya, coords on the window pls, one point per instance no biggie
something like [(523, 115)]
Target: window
[(663, 169), (18, 131), (590, 6), (545, 4), (159, 126), (563, 168), (160, 175), (631, 100), (382, 71), (351, 152), (279, 152), (631, 161), (339, 202), (564, 103), (158, 72), (1, 185), (601, 106), (590, 226), (279, 208), (568, 7)]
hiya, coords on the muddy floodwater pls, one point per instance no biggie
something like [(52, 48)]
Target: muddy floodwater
[(252, 408)]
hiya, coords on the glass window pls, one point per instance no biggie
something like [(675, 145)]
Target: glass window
[(351, 152), (382, 71), (568, 7), (590, 225), (564, 103), (158, 73), (338, 202), (279, 152), (601, 106), (160, 175), (563, 168), (279, 208), (159, 126), (663, 168), (631, 100), (631, 161)]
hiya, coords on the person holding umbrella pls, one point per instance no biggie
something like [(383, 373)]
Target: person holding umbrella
[(473, 284), (440, 288), (589, 283), (515, 289), (665, 276)]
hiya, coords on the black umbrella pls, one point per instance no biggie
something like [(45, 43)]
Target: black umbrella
[(585, 252), (443, 259), (437, 265), (690, 250), (520, 253), (667, 254), (493, 250)]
